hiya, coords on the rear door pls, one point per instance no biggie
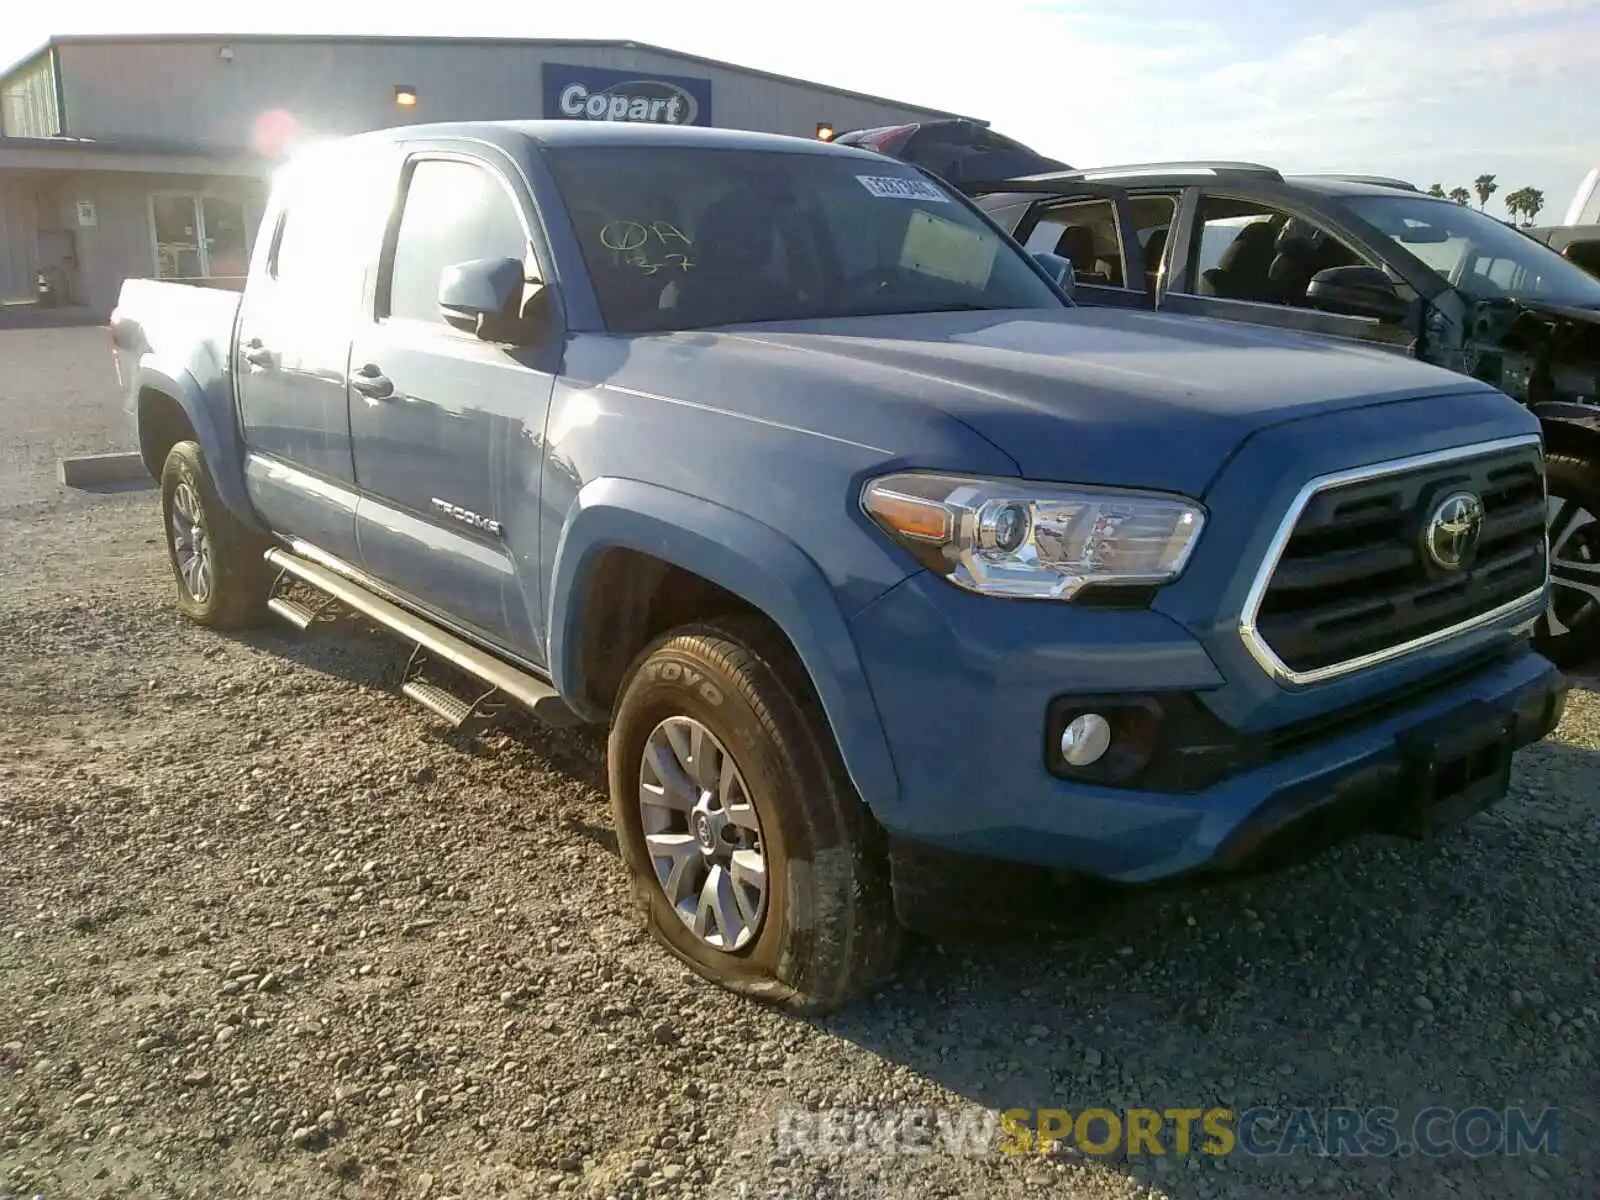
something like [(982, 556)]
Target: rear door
[(292, 342), (1234, 264), (1111, 236), (445, 426)]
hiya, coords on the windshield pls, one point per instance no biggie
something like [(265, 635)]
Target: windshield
[(684, 238), (1483, 257)]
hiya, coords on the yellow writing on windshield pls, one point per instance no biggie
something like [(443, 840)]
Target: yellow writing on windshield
[(651, 246)]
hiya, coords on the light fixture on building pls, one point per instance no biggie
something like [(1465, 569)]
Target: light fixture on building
[(405, 95), (824, 131), (226, 54)]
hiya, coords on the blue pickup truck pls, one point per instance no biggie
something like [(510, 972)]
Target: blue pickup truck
[(880, 558)]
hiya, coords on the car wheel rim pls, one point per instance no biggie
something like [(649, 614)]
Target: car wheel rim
[(191, 547), (1574, 566), (702, 834)]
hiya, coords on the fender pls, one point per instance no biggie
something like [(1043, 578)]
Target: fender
[(209, 411), (749, 559)]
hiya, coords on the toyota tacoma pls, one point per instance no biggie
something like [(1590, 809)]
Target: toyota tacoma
[(870, 547)]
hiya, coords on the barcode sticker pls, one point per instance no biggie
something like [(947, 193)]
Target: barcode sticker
[(898, 187)]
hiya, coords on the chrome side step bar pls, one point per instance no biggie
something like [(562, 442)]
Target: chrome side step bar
[(537, 696)]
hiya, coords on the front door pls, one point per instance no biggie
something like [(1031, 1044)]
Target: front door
[(1252, 262), (447, 444)]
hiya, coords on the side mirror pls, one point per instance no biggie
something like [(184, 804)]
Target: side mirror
[(1358, 291), (485, 297), (1058, 267)]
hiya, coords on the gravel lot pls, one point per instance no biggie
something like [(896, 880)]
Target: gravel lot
[(263, 931)]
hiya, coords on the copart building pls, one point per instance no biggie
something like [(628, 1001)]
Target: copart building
[(149, 156)]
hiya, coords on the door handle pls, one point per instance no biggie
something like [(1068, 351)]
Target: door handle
[(256, 354), (372, 383)]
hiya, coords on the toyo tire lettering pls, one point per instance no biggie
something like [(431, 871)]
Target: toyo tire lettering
[(690, 677)]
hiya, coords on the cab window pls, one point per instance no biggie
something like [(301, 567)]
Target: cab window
[(1090, 234), (1252, 252), (453, 212)]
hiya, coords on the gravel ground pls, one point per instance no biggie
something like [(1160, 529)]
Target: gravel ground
[(58, 396), (264, 931)]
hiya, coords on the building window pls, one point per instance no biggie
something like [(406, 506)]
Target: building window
[(198, 236), (28, 103)]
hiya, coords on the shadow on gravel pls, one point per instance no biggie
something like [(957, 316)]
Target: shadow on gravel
[(116, 489), (1394, 971), (1380, 973)]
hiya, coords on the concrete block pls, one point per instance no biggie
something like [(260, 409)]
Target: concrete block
[(95, 470)]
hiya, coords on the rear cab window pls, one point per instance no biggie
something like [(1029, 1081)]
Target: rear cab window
[(691, 237), (332, 211)]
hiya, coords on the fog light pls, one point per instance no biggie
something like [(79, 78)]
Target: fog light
[(1085, 740)]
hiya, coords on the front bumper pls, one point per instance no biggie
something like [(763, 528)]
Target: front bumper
[(965, 733)]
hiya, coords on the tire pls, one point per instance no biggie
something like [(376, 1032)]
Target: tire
[(231, 590), (826, 932), (1569, 632)]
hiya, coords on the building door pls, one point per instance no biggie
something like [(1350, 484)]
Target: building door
[(198, 236)]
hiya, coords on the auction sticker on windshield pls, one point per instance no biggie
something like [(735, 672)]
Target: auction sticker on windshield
[(897, 187), (945, 250)]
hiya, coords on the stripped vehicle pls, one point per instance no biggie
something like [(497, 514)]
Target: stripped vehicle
[(1365, 259)]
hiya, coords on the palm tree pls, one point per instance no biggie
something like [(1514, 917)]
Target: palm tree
[(1525, 202), (1436, 190), (1514, 202), (1532, 202), (1460, 195), (1485, 186)]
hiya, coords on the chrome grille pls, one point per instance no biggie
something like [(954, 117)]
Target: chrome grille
[(1348, 582)]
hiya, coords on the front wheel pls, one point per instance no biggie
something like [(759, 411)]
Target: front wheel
[(1569, 631), (751, 856)]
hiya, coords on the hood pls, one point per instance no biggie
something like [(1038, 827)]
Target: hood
[(1095, 396)]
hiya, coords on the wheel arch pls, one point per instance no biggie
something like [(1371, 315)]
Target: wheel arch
[(172, 407), (634, 559)]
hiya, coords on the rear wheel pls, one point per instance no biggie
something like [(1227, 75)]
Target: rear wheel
[(223, 581), (751, 856), (1569, 631)]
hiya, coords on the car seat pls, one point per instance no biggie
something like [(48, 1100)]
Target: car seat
[(1077, 242), (1302, 251), (1245, 270)]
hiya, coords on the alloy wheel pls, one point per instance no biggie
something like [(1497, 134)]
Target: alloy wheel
[(1574, 567), (191, 546), (702, 833)]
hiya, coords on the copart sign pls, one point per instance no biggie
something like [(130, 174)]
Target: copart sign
[(574, 93)]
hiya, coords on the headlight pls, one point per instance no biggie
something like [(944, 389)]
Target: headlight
[(1008, 537)]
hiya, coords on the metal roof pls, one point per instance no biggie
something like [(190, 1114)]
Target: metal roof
[(556, 134), (242, 39)]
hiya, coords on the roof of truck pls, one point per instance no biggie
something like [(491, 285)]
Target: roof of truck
[(507, 135)]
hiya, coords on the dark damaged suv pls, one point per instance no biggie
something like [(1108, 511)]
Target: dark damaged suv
[(1364, 258)]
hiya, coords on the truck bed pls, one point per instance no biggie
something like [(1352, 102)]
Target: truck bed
[(186, 325)]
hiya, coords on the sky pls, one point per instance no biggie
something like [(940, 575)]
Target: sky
[(1430, 90)]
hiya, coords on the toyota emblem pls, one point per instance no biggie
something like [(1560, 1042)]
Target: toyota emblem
[(1453, 530)]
